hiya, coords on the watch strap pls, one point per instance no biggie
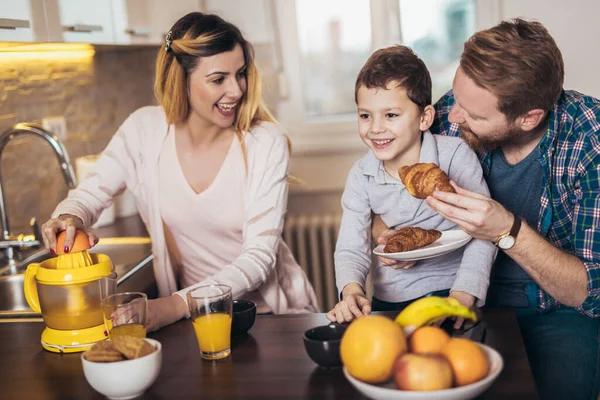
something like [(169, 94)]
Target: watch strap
[(514, 231)]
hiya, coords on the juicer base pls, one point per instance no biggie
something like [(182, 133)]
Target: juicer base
[(72, 341)]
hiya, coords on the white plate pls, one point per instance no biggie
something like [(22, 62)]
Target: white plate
[(448, 242), (388, 391)]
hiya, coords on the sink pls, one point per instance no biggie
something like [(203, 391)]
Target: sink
[(12, 298), (131, 257)]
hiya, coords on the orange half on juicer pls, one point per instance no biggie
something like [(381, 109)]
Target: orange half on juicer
[(77, 256)]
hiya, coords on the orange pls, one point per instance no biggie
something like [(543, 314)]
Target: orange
[(370, 346), (428, 340), (469, 362), (81, 242)]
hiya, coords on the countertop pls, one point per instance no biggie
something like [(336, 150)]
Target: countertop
[(123, 227), (269, 363)]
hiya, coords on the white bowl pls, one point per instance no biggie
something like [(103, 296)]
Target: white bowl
[(124, 379), (388, 391)]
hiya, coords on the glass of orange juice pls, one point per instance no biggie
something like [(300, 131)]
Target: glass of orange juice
[(210, 310), (126, 314)]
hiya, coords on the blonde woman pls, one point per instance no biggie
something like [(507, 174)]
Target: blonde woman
[(208, 168)]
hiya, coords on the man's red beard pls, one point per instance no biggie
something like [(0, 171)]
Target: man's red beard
[(489, 143)]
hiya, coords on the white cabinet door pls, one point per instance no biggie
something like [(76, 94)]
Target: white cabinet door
[(251, 17), (133, 22), (22, 21), (165, 14), (89, 21), (148, 21)]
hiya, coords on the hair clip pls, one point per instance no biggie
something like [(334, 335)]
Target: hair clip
[(168, 41)]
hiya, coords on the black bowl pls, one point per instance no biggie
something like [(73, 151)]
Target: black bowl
[(244, 314), (323, 344)]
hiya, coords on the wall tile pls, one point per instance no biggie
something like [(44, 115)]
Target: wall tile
[(95, 98)]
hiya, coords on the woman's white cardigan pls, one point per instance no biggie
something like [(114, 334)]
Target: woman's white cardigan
[(131, 161)]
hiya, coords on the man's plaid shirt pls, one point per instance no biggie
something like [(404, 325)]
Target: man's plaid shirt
[(570, 204)]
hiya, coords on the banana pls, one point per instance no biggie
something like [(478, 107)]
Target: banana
[(426, 310)]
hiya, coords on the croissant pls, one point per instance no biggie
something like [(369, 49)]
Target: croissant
[(422, 179), (410, 238)]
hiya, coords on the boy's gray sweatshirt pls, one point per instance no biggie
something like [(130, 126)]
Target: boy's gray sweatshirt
[(370, 189)]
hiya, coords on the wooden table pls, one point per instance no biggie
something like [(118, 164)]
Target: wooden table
[(269, 363)]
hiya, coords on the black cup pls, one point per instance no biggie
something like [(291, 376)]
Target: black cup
[(244, 314), (323, 344)]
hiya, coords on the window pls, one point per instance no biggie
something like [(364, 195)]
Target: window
[(324, 43), (334, 42), (437, 39)]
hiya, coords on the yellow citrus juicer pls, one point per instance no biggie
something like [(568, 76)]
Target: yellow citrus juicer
[(65, 290)]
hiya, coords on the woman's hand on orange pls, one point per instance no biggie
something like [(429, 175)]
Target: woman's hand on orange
[(70, 224)]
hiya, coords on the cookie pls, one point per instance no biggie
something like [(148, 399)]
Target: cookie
[(131, 347), (103, 355), (103, 345)]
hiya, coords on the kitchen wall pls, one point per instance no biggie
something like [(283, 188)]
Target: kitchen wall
[(95, 96)]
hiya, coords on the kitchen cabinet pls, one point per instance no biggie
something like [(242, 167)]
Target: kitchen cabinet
[(91, 21), (253, 18), (86, 21), (165, 14), (148, 21), (133, 22), (22, 21)]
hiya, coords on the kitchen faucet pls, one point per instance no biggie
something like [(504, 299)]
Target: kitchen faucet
[(7, 240)]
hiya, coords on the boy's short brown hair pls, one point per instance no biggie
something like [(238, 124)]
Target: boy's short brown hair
[(397, 64)]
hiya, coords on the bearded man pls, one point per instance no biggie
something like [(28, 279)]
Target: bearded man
[(539, 146)]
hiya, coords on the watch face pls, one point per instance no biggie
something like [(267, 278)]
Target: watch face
[(506, 242)]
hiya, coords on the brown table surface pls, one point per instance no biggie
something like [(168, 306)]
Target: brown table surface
[(269, 363)]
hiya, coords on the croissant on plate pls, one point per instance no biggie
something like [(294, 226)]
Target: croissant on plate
[(422, 179), (410, 238)]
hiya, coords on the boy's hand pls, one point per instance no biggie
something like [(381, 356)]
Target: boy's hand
[(466, 300), (382, 239), (354, 305), (378, 228), (397, 264)]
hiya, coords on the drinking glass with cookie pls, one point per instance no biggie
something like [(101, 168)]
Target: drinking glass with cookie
[(405, 164)]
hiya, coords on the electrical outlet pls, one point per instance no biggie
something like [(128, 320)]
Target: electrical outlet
[(56, 125)]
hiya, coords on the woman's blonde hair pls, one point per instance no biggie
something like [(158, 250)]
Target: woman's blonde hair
[(193, 37)]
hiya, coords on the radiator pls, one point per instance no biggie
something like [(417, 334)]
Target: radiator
[(312, 238)]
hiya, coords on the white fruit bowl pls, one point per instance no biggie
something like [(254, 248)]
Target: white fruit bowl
[(388, 391)]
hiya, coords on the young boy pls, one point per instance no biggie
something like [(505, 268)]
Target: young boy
[(393, 95)]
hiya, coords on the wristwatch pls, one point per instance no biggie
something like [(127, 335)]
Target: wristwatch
[(507, 240)]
